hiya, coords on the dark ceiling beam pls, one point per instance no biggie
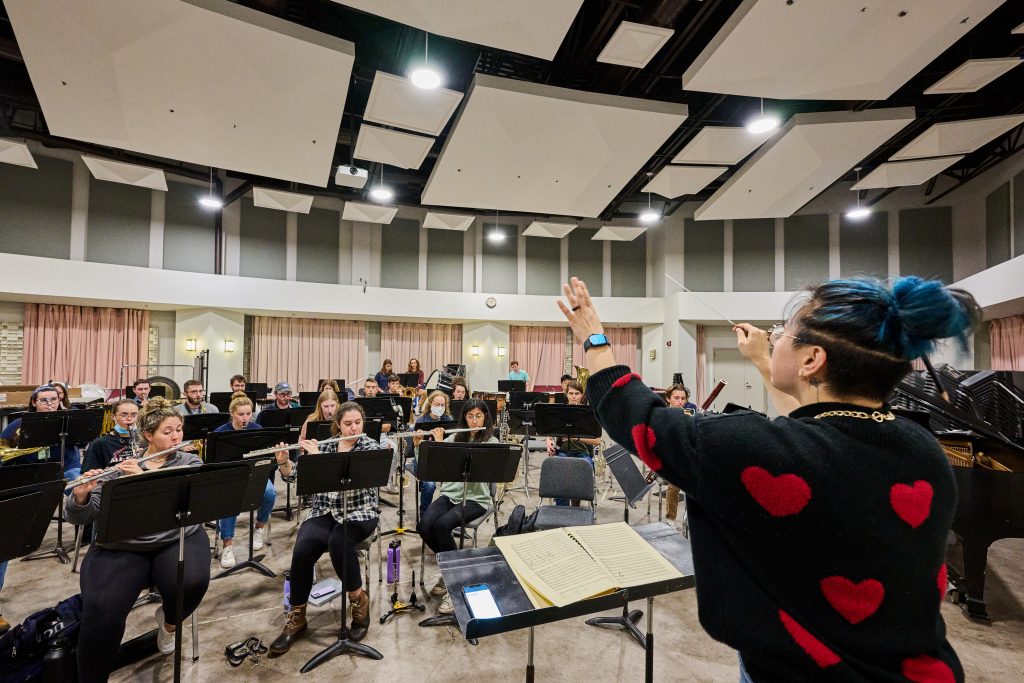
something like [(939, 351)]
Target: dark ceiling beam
[(9, 51)]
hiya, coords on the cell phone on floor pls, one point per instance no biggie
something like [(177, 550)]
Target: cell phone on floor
[(322, 591), (481, 602)]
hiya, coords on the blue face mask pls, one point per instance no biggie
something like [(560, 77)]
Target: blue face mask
[(121, 430)]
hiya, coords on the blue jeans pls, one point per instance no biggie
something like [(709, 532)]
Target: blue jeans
[(3, 573), (226, 526), (563, 454), (744, 676)]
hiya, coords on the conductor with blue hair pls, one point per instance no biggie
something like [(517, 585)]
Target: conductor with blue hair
[(819, 537)]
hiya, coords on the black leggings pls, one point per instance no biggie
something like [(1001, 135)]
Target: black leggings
[(437, 523), (112, 580), (321, 533)]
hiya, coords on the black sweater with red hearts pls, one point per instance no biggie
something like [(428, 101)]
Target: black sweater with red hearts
[(818, 542)]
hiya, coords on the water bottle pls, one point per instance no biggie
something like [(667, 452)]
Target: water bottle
[(394, 560), (287, 590), (55, 664)]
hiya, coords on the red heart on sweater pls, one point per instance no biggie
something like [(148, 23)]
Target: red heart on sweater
[(912, 504), (943, 581), (643, 440), (786, 494), (855, 601), (925, 669), (816, 649), (624, 380)]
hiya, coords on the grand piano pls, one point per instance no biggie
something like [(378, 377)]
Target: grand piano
[(978, 417)]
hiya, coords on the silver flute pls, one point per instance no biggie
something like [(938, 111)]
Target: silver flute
[(336, 439), (114, 469)]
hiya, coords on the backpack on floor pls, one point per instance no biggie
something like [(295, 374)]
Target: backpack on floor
[(23, 648), (518, 522)]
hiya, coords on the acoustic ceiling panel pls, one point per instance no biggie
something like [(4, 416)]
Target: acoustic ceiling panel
[(395, 101), (675, 181), (548, 229), (810, 153), (447, 221), (634, 44), (392, 147), (202, 81), (724, 145), (618, 234), (128, 174), (282, 201), (973, 75), (519, 146), (368, 213), (830, 50), (529, 27), (905, 173), (17, 153), (957, 137)]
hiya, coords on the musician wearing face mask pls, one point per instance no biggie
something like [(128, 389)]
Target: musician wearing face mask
[(436, 409), (117, 444)]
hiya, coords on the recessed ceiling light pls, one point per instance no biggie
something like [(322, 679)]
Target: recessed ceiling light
[(649, 217), (762, 124), (425, 78), (496, 236), (211, 202), (381, 193), (858, 213)]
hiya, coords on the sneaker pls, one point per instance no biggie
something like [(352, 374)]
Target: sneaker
[(390, 489), (164, 638), (257, 539), (227, 557), (439, 588), (446, 606)]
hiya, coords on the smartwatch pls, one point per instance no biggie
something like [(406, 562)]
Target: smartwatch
[(595, 340)]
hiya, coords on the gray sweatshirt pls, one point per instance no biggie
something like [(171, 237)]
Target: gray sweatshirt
[(87, 514)]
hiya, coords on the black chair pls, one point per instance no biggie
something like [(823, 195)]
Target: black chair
[(565, 477)]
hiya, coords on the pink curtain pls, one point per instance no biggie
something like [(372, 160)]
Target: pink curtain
[(540, 351), (1007, 343), (434, 345), (302, 351), (701, 375), (83, 344), (624, 342)]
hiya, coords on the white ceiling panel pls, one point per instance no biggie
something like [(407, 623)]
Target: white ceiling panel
[(723, 145), (611, 233), (519, 146), (905, 173), (973, 75), (830, 50), (128, 174), (202, 81), (634, 44), (529, 27), (368, 213), (395, 101), (16, 152), (957, 137), (282, 201), (549, 229), (447, 221), (810, 153), (675, 181), (392, 147), (1019, 30)]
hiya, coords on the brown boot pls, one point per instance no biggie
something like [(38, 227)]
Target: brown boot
[(293, 628), (360, 616), (671, 502), (5, 625)]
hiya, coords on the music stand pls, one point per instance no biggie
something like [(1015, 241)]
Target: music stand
[(222, 399), (328, 472), (15, 476), (509, 385), (520, 423), (526, 399), (488, 463), (392, 410), (226, 447), (31, 505), (308, 398), (555, 419), (196, 427), (409, 380), (287, 417), (167, 499)]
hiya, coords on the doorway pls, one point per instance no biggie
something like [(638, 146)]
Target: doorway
[(744, 385)]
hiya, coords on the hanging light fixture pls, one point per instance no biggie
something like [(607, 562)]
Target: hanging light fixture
[(497, 236), (424, 77), (211, 201), (762, 123), (650, 215), (381, 192), (858, 212)]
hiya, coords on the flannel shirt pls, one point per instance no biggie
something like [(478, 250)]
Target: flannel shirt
[(362, 503)]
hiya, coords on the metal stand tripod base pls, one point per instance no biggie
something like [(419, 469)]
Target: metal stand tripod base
[(401, 608), (340, 647), (440, 620), (627, 622), (58, 551), (253, 563)]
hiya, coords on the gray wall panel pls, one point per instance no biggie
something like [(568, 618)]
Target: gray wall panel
[(317, 247), (400, 254), (586, 259), (997, 226), (704, 256), (264, 242), (1018, 214), (189, 239), (753, 255), (806, 240), (500, 270), (118, 228), (926, 242), (543, 265), (864, 245), (444, 260), (35, 208), (629, 267)]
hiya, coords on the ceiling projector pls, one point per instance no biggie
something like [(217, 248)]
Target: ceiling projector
[(350, 176)]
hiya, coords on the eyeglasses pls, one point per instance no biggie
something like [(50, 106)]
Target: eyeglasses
[(48, 401), (777, 332), (126, 416)]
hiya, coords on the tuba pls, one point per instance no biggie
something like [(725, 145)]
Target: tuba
[(582, 375)]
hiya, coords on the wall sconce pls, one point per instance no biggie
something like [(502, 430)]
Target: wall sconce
[(190, 344), (229, 345), (475, 350), (501, 352)]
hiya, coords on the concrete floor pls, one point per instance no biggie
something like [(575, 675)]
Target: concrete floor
[(250, 604)]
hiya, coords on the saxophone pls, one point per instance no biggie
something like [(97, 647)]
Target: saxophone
[(582, 375)]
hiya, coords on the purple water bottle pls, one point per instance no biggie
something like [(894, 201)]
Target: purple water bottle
[(287, 590), (394, 560)]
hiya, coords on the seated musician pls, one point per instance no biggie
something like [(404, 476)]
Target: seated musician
[(44, 399), (116, 445), (576, 447), (445, 513), (371, 388), (515, 373), (383, 377), (141, 389), (564, 381), (62, 394), (460, 390), (240, 410), (394, 385), (326, 406), (237, 383), (194, 403), (435, 409), (282, 398), (113, 574), (322, 532)]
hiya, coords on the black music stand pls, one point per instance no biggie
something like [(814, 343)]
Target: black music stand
[(509, 385), (308, 398), (222, 399), (170, 499), (557, 420), (520, 423), (225, 447), (392, 410), (196, 427), (409, 380), (526, 399), (327, 472), (488, 463), (30, 504), (15, 476), (288, 417)]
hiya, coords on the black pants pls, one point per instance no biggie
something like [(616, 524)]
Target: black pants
[(111, 582), (436, 524), (318, 534)]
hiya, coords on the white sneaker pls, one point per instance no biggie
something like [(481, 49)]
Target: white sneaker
[(445, 607), (227, 557), (439, 588), (164, 638), (390, 489), (257, 539)]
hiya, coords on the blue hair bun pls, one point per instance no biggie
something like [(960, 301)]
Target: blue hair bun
[(921, 312)]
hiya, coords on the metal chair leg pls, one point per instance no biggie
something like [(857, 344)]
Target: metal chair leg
[(195, 635), (79, 530)]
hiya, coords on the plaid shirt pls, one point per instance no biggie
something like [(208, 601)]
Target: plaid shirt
[(362, 503)]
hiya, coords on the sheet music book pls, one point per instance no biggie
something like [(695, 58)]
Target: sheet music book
[(562, 566)]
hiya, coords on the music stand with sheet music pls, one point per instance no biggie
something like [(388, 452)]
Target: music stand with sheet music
[(510, 385), (196, 427), (175, 498), (291, 418), (31, 505), (344, 472), (390, 409)]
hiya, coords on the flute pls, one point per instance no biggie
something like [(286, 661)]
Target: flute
[(336, 439), (113, 468)]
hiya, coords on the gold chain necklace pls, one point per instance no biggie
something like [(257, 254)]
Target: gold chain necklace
[(859, 414)]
